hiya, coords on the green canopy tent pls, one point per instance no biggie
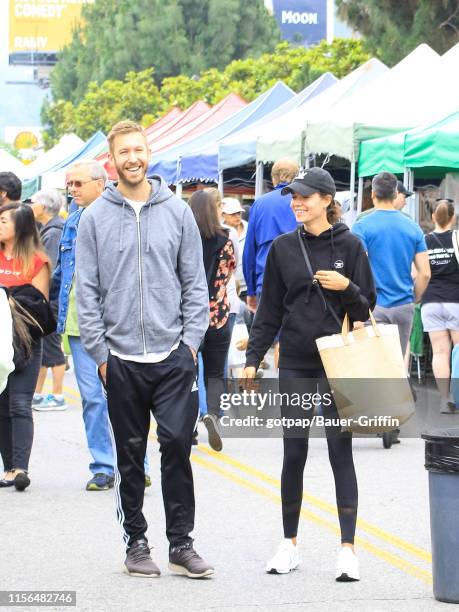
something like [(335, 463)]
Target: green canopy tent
[(382, 155), (435, 147)]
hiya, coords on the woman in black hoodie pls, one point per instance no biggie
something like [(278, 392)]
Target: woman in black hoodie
[(304, 307)]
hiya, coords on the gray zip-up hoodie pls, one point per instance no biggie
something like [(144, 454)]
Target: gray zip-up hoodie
[(140, 285)]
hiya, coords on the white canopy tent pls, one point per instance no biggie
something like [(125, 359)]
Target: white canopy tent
[(400, 99), (9, 163), (67, 145), (285, 137)]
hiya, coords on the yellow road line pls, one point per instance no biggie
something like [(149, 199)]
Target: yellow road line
[(322, 505), (365, 526), (390, 558)]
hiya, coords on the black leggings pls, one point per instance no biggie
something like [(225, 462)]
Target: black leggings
[(16, 423), (341, 461), (214, 351)]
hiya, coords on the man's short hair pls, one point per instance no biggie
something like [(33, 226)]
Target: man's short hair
[(10, 183), (384, 186), (95, 170), (123, 127), (284, 171), (51, 200)]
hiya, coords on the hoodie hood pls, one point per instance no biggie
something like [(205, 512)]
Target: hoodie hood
[(159, 193)]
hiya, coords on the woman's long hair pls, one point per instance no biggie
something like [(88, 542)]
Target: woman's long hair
[(205, 212), (22, 338), (333, 210), (26, 238)]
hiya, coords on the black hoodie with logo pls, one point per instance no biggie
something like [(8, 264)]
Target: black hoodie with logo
[(291, 304)]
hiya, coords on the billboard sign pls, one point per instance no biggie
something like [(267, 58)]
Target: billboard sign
[(42, 26), (301, 21)]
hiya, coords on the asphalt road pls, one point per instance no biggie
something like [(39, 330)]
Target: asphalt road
[(57, 536)]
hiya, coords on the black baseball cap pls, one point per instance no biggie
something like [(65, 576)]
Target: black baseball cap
[(403, 190), (312, 180)]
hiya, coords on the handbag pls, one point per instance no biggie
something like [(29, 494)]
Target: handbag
[(367, 375)]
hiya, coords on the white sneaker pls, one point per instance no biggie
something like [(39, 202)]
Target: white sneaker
[(347, 567), (285, 560)]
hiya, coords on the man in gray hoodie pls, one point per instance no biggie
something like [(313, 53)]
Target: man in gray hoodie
[(143, 311)]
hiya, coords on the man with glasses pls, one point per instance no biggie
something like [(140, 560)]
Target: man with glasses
[(85, 183)]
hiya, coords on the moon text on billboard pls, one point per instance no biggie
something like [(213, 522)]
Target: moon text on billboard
[(301, 21)]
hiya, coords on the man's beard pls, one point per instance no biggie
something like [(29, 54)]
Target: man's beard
[(126, 177)]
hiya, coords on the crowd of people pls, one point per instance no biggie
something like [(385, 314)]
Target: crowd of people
[(144, 289)]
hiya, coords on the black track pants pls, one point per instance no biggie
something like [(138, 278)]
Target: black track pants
[(167, 389)]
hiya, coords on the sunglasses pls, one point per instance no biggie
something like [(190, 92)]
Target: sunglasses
[(79, 184)]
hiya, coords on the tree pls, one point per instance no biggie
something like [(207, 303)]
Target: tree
[(137, 97), (393, 28), (173, 36)]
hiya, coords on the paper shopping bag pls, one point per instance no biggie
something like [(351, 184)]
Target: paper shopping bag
[(367, 376)]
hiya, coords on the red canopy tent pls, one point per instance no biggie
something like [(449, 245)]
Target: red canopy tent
[(215, 115)]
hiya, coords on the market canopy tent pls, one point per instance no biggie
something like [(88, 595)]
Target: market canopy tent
[(173, 113), (199, 157), (55, 177), (383, 154), (185, 120), (378, 109), (67, 145), (387, 153), (241, 148), (213, 116), (436, 146), (164, 162), (285, 136), (9, 163)]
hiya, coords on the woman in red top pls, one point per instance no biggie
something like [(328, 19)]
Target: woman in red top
[(22, 262), (219, 264)]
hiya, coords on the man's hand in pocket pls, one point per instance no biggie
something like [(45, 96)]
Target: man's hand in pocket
[(103, 372)]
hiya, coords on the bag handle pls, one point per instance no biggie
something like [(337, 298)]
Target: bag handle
[(345, 328), (328, 306)]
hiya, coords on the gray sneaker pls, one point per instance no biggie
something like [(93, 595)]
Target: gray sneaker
[(139, 562), (211, 423), (184, 560)]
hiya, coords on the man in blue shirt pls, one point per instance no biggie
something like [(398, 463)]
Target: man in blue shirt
[(270, 216), (394, 242)]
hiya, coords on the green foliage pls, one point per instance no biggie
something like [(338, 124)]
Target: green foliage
[(393, 28), (101, 107), (173, 36), (10, 149), (137, 97)]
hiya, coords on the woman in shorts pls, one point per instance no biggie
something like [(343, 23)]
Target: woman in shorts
[(440, 302)]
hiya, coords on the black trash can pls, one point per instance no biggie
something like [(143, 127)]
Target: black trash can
[(442, 462)]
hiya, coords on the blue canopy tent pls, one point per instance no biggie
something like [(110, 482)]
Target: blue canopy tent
[(54, 175), (89, 150), (179, 163), (241, 148)]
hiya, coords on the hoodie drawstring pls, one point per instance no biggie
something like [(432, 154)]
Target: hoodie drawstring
[(148, 228), (121, 245), (332, 244)]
